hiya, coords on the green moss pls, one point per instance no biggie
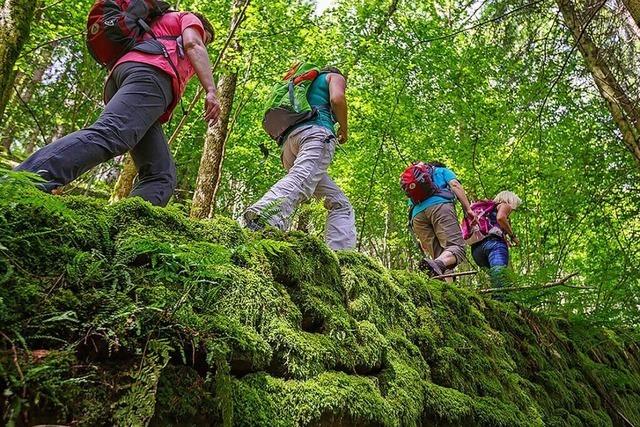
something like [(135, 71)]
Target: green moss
[(130, 314), (261, 400), (448, 404), (184, 398), (493, 412)]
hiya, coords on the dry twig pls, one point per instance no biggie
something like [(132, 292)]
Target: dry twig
[(559, 282)]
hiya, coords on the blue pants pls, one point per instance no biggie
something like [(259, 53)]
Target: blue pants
[(493, 253), (138, 94)]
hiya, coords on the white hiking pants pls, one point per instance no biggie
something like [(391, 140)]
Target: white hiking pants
[(307, 154)]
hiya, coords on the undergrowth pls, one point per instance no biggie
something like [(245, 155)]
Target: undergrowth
[(133, 315)]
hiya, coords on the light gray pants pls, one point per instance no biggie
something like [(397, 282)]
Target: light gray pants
[(307, 154)]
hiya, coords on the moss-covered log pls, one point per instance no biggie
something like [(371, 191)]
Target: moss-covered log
[(134, 315)]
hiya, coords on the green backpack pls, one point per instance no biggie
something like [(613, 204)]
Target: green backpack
[(288, 104)]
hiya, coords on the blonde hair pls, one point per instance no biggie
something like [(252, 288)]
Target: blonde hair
[(509, 198)]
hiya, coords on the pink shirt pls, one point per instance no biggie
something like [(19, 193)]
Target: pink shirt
[(170, 24)]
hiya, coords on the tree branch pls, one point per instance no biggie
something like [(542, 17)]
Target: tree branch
[(559, 282), (32, 114), (462, 273), (479, 24)]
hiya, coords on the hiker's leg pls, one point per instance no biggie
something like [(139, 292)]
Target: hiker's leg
[(497, 252), (340, 229), (498, 259), (139, 96), (423, 229), (479, 254), (156, 168), (447, 230), (313, 147)]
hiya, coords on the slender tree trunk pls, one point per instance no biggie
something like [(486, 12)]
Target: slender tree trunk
[(208, 181), (633, 6), (15, 25), (28, 87), (124, 185), (213, 153), (622, 109)]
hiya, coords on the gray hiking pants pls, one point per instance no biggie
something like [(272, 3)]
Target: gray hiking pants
[(307, 154), (138, 94)]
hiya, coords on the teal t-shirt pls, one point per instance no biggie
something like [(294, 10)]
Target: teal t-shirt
[(441, 177), (318, 96)]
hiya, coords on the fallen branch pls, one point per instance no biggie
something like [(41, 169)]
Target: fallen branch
[(559, 282), (462, 273)]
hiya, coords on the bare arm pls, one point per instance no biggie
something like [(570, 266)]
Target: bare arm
[(196, 51), (457, 189), (504, 210), (337, 95)]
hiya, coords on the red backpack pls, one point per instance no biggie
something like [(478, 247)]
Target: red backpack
[(417, 182), (115, 26)]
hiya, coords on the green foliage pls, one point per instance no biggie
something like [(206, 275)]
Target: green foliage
[(133, 315), (139, 316), (503, 104), (137, 406)]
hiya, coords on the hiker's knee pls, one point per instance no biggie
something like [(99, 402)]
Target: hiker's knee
[(109, 131), (458, 251), (338, 203)]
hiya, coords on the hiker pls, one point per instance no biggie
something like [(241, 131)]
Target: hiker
[(491, 236), (303, 112), (432, 189), (162, 50)]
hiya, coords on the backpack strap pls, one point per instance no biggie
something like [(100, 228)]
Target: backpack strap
[(292, 97)]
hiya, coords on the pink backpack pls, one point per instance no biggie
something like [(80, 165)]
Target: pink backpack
[(473, 232)]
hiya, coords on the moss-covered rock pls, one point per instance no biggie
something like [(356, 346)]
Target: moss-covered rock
[(133, 315)]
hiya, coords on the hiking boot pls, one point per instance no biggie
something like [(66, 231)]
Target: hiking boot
[(432, 267), (252, 221)]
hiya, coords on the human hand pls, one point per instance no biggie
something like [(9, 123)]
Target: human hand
[(514, 241), (343, 135), (470, 214), (211, 108)]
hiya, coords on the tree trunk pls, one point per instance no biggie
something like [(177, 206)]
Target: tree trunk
[(28, 87), (208, 181), (622, 109), (124, 185), (15, 25), (213, 153), (633, 6)]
